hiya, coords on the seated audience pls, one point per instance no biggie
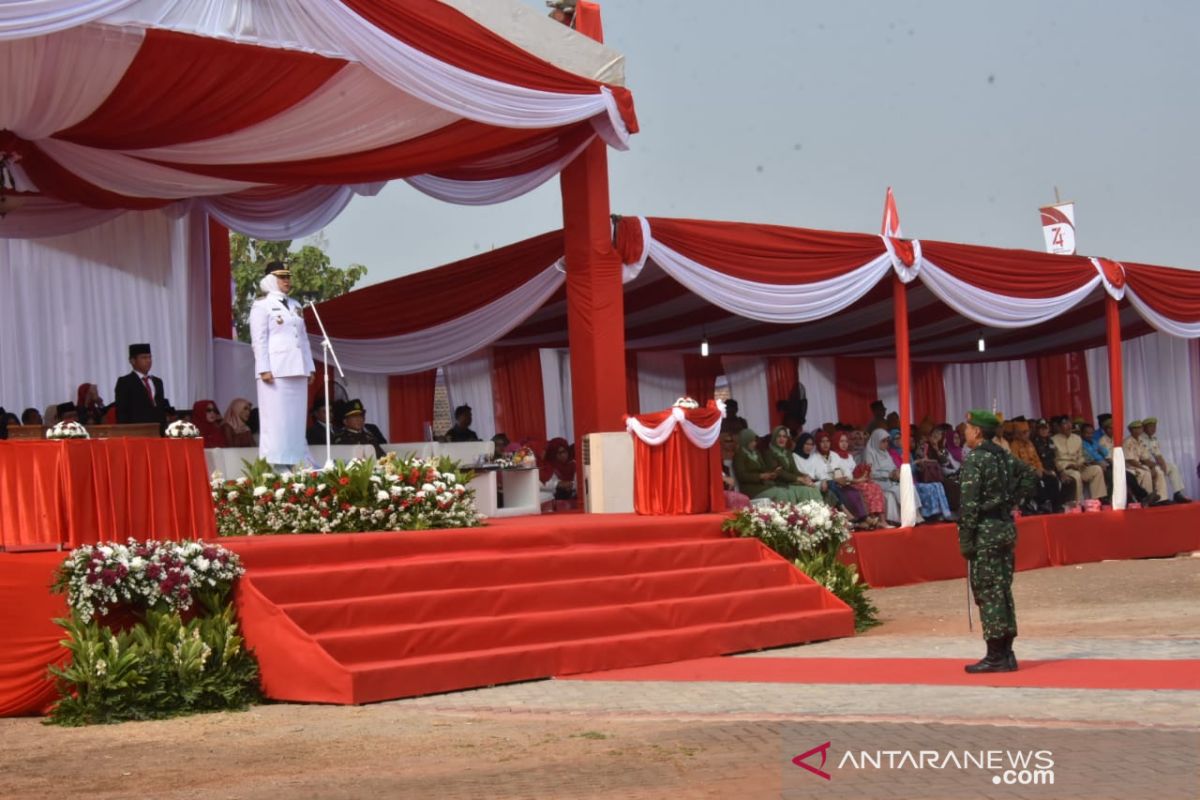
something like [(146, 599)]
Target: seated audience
[(884, 471), (66, 412), (355, 429), (1071, 463), (756, 477), (1049, 493), (30, 416), (855, 476), (461, 431), (500, 443), (557, 470), (931, 464), (734, 500), (50, 415), (236, 424), (779, 455), (1169, 471), (92, 410), (320, 427), (931, 497), (207, 419), (1098, 453), (1141, 464), (840, 469)]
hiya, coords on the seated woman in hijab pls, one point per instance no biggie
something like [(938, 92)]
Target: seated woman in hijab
[(781, 456), (930, 496), (236, 424), (557, 470), (836, 474), (207, 419), (734, 500), (92, 410), (757, 477), (855, 477), (884, 472), (931, 464), (815, 469)]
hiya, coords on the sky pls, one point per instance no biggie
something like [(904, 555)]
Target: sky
[(803, 113)]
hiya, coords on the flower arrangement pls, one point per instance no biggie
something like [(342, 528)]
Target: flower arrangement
[(67, 430), (143, 575), (813, 536), (393, 494), (521, 458), (161, 665), (182, 429), (685, 402), (792, 529)]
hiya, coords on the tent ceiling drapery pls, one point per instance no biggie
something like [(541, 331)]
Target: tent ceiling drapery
[(277, 108), (764, 289)]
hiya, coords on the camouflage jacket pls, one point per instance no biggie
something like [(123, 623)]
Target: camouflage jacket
[(993, 483)]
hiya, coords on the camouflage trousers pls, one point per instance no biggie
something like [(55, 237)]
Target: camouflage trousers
[(991, 583)]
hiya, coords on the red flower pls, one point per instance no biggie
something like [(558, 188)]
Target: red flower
[(310, 491), (343, 481)]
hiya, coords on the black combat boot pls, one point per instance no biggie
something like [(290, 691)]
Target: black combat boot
[(995, 661), (1009, 656)]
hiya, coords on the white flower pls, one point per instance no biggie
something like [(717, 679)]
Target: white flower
[(381, 496), (259, 491)]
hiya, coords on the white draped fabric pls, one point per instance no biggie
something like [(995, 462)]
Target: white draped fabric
[(450, 341), (39, 17), (556, 393), (820, 386), (469, 382), (1006, 384), (660, 381), (71, 306), (1160, 375), (998, 310), (497, 190), (287, 216), (702, 437), (908, 497), (747, 376)]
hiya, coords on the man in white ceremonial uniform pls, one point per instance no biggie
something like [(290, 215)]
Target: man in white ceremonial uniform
[(1168, 472), (283, 363), (1071, 463)]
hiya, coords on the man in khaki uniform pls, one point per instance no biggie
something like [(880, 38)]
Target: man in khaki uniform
[(1072, 464), (1167, 470), (1139, 462)]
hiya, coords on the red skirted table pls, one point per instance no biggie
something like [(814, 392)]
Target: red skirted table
[(73, 492), (676, 461)]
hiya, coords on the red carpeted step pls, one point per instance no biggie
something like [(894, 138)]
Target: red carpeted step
[(500, 535), (401, 608), (390, 576), (362, 644), (382, 680)]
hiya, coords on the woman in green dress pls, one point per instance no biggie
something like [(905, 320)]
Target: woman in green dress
[(758, 476), (801, 486)]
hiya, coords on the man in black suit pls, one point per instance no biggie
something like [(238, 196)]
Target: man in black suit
[(139, 394), (320, 415), (356, 429)]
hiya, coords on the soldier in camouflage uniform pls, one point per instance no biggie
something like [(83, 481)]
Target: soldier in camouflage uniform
[(993, 483)]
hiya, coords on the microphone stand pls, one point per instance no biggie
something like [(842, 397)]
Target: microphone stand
[(326, 352)]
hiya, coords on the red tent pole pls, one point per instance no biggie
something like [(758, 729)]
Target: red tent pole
[(903, 367), (221, 296), (1116, 378)]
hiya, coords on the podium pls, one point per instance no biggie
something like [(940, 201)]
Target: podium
[(676, 461)]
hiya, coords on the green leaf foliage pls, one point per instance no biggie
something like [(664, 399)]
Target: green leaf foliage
[(312, 273)]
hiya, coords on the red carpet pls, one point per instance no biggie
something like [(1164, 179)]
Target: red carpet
[(358, 618), (903, 556), (1062, 674)]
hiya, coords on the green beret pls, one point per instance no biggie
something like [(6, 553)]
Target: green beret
[(1137, 423), (982, 418), (1150, 421)]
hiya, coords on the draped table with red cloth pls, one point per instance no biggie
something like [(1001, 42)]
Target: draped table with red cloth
[(676, 461), (77, 492)]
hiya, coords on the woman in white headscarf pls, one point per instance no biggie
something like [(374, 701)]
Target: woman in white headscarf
[(284, 365), (884, 471)]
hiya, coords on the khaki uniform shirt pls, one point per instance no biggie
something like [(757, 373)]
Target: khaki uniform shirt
[(1070, 451)]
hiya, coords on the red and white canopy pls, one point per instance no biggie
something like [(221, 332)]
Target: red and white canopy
[(272, 114), (768, 289)]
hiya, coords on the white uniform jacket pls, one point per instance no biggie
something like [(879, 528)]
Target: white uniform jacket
[(279, 338)]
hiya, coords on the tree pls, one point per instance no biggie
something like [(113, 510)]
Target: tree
[(312, 273)]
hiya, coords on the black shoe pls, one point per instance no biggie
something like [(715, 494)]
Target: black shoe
[(1010, 656), (1149, 499), (995, 661), (1180, 497)]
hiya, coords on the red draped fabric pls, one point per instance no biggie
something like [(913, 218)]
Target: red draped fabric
[(587, 21), (517, 388), (928, 392), (677, 477), (1173, 293), (783, 373), (445, 293), (1016, 273), (633, 401), (410, 405), (856, 389), (84, 491), (700, 376), (31, 639), (1063, 386), (220, 265)]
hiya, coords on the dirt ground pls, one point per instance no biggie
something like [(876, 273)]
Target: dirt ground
[(393, 750)]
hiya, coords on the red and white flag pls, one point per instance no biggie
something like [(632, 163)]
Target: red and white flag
[(891, 217)]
